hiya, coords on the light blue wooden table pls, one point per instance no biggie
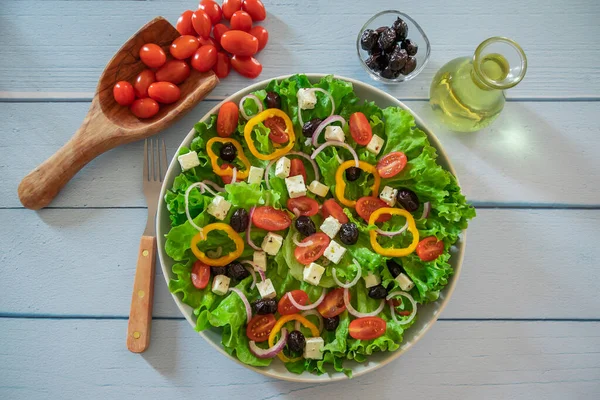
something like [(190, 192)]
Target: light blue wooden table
[(524, 321)]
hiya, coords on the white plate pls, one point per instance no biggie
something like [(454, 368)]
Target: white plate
[(427, 314)]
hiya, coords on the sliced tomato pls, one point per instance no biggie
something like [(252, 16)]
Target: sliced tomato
[(270, 219), (430, 248), (391, 164), (227, 179), (333, 304), (307, 254), (360, 129), (260, 327), (297, 168), (200, 275), (367, 328), (305, 205), (331, 207), (366, 205), (277, 127), (285, 306)]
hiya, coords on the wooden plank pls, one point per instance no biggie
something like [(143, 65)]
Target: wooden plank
[(305, 37), (73, 359), (518, 264)]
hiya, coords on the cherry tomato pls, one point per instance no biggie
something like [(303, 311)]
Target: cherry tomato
[(184, 23), (164, 92), (304, 204), (143, 82), (246, 66), (223, 65), (230, 6), (391, 164), (239, 43), (307, 254), (144, 108), (201, 23), (367, 328), (211, 9), (255, 8), (261, 34), (204, 58), (260, 326), (366, 205), (227, 120), (174, 71), (285, 306), (277, 127), (153, 55), (241, 20), (333, 303), (430, 248), (331, 207), (270, 219), (209, 41), (227, 179), (297, 168), (360, 129), (123, 93), (200, 275), (218, 31), (184, 47)]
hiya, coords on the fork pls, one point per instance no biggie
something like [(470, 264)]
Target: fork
[(140, 314)]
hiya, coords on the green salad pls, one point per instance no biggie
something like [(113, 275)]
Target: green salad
[(308, 225)]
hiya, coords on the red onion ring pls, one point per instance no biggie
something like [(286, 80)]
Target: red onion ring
[(322, 125), (393, 310), (271, 351), (214, 185), (248, 239), (426, 210), (350, 284), (234, 175), (263, 277), (310, 306), (186, 201), (314, 90), (251, 268), (357, 314), (292, 153), (311, 312), (336, 143), (299, 243), (258, 104), (246, 303), (296, 212), (389, 234)]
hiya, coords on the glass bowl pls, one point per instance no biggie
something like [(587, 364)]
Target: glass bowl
[(415, 33)]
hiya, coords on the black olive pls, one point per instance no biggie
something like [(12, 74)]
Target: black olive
[(296, 341), (410, 47), (214, 271), (309, 127), (228, 152), (236, 271), (394, 268), (387, 39), (305, 225), (401, 29), (239, 220), (273, 100), (332, 323), (411, 64), (265, 306), (378, 292), (349, 233), (398, 58), (389, 73), (368, 39), (353, 173), (373, 62), (408, 199), (381, 29)]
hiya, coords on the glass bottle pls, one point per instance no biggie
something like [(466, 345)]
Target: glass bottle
[(467, 94)]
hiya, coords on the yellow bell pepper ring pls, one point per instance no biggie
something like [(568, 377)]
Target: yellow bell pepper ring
[(269, 113), (226, 259), (284, 320), (412, 228), (214, 158), (340, 184)]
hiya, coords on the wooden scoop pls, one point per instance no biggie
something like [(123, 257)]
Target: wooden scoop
[(108, 124)]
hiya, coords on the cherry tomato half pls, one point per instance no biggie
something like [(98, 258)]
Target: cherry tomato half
[(184, 47), (391, 164), (211, 9), (184, 23), (307, 254), (164, 92), (285, 306), (304, 204), (331, 207), (430, 248), (200, 275), (201, 23), (123, 93), (360, 129), (246, 66), (277, 127), (259, 327), (223, 65), (218, 31), (270, 219), (261, 34), (239, 43), (333, 304), (174, 71), (297, 168), (227, 120), (255, 8), (144, 108), (230, 6), (365, 206), (227, 179), (241, 20), (143, 82), (204, 58), (153, 55), (367, 328)]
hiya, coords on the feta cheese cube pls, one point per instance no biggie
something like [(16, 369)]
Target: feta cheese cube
[(295, 186), (266, 289), (375, 145), (255, 175), (219, 207), (272, 243), (388, 195), (333, 132), (318, 188), (220, 285), (331, 226), (188, 160), (313, 273), (334, 252), (282, 168), (372, 280), (260, 259), (307, 99), (404, 281), (314, 348)]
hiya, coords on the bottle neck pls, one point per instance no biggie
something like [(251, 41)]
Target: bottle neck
[(480, 83)]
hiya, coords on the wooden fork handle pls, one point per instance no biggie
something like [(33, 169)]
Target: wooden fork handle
[(140, 314)]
